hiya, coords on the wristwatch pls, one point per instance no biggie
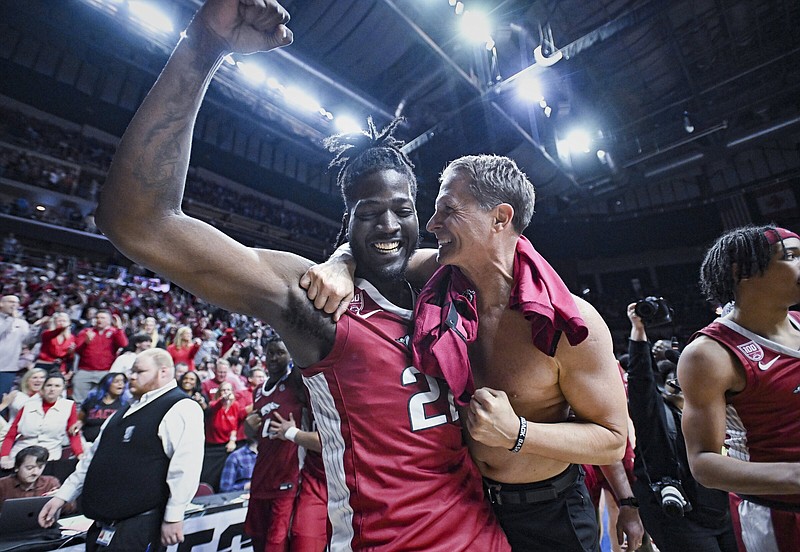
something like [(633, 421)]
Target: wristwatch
[(631, 501)]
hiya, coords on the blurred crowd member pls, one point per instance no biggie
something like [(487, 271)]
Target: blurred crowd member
[(205, 371), (222, 373), (190, 384), (149, 328), (58, 344), (180, 369), (124, 362), (184, 348), (30, 385), (740, 378), (244, 397), (223, 417), (103, 401), (227, 340), (238, 469), (97, 347), (209, 348), (14, 331), (44, 420), (27, 479), (695, 518)]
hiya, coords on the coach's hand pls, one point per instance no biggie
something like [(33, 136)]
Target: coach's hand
[(51, 512), (491, 419), (171, 532)]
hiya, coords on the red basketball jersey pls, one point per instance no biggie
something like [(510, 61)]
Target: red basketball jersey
[(762, 420), (278, 465), (399, 476)]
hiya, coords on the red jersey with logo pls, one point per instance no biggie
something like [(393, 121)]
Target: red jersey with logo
[(762, 420), (399, 476), (278, 465)]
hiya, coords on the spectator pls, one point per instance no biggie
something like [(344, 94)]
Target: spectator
[(151, 329), (14, 331), (45, 420), (158, 439), (124, 362), (222, 373), (190, 384), (208, 348), (180, 369), (109, 396), (58, 344), (98, 348), (30, 385), (184, 348), (27, 479), (238, 470), (705, 525), (222, 421)]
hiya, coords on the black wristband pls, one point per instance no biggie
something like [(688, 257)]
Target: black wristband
[(631, 501), (523, 430)]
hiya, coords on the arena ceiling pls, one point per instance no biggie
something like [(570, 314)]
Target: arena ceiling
[(681, 103)]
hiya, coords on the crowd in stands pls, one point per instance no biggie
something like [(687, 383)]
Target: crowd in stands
[(45, 155)]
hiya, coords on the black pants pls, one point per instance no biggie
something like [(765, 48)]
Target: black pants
[(137, 534), (564, 524)]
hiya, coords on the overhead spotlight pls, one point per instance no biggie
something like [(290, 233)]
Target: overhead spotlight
[(299, 98), (490, 44), (687, 123), (452, 2), (273, 83), (601, 155), (459, 8), (150, 15), (41, 208), (346, 124), (252, 72), (548, 111), (542, 103), (579, 141), (476, 26), (530, 89)]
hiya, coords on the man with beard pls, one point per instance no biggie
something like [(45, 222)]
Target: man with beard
[(399, 476)]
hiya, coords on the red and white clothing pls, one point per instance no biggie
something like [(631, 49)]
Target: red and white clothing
[(98, 354), (310, 521), (43, 424), (398, 474), (763, 426), (184, 355), (221, 422), (276, 474), (56, 348)]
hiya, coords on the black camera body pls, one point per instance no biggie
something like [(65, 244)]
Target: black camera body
[(670, 494), (654, 311)]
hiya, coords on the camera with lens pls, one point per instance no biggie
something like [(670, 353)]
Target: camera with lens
[(654, 311), (671, 496)]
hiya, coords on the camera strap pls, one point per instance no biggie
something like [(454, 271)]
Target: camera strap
[(672, 436)]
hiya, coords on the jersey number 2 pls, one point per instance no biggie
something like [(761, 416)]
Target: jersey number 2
[(416, 404)]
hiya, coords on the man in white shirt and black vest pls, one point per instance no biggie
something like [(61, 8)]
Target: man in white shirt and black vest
[(141, 472)]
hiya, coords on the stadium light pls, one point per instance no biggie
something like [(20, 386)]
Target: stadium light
[(252, 72), (476, 26), (530, 89), (151, 16), (299, 98), (346, 124), (579, 140)]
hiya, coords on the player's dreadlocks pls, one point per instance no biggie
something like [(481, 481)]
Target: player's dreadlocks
[(361, 153), (747, 248)]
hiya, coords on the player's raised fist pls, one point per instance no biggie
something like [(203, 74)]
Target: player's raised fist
[(241, 26)]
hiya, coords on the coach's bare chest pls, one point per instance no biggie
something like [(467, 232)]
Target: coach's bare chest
[(504, 357)]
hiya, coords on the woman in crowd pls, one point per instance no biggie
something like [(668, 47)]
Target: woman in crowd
[(45, 421), (27, 479), (110, 395), (30, 384), (190, 384), (222, 421), (58, 344), (184, 348)]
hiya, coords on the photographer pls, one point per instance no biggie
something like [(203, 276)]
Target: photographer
[(678, 513)]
